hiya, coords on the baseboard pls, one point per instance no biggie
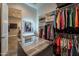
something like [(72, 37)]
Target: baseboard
[(3, 54)]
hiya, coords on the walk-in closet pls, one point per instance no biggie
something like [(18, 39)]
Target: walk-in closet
[(39, 29)]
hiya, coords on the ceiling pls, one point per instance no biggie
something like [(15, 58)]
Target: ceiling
[(39, 5), (34, 5), (43, 8)]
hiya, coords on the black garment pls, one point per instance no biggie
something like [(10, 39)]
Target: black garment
[(68, 19), (45, 31), (40, 33), (73, 17), (65, 17)]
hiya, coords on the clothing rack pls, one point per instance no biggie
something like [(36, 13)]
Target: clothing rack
[(71, 30)]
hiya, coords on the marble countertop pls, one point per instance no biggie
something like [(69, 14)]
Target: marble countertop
[(36, 47)]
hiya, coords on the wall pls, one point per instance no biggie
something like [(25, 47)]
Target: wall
[(46, 7)]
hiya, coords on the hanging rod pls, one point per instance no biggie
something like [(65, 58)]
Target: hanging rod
[(71, 5), (67, 6)]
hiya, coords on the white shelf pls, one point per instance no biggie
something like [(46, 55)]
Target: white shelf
[(28, 34), (12, 35)]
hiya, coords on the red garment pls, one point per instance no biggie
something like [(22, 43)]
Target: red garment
[(70, 44), (62, 21), (48, 28), (58, 43), (69, 47)]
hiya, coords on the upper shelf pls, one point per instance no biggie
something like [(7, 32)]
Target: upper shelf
[(15, 13)]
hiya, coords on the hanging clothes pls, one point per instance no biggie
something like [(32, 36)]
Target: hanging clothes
[(40, 33), (76, 18), (70, 16), (74, 50), (58, 43), (69, 47), (51, 32), (48, 32), (63, 20), (45, 31), (66, 16), (65, 47), (58, 20), (54, 20), (43, 34), (73, 17), (76, 43)]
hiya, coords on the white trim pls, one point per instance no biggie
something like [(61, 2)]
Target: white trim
[(31, 6), (3, 54)]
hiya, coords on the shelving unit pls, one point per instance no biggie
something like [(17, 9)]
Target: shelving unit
[(15, 17)]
